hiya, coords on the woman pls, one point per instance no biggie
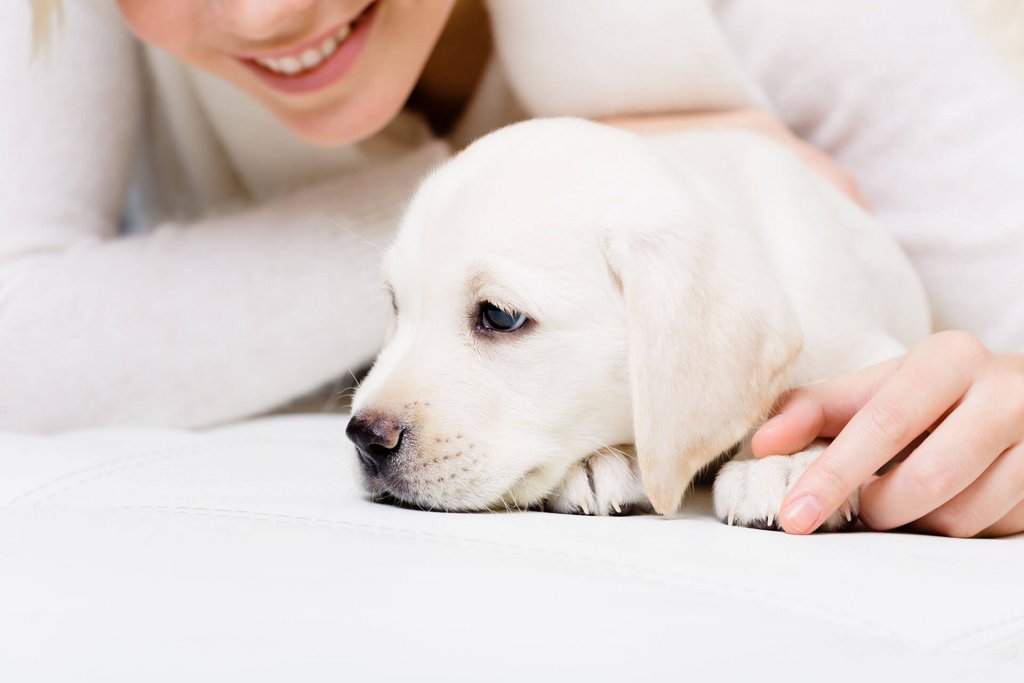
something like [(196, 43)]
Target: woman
[(258, 153)]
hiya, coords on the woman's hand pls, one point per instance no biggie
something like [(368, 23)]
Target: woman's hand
[(755, 120), (956, 407)]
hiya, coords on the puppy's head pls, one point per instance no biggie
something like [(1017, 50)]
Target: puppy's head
[(557, 289)]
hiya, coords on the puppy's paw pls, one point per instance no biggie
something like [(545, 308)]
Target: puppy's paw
[(606, 483), (750, 492)]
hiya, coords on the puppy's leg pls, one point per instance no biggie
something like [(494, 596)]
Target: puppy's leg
[(750, 492), (605, 483)]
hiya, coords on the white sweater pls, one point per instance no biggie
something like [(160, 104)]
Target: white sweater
[(250, 274)]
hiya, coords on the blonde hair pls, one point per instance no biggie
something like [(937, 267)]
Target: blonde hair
[(45, 13)]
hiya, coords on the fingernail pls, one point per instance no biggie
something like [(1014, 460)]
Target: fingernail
[(802, 514)]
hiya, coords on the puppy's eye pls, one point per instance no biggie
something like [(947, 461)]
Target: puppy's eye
[(497, 320)]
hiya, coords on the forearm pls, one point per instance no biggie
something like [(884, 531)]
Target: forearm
[(928, 121), (192, 325)]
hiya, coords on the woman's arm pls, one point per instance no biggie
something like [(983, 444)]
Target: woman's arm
[(191, 325), (185, 326), (915, 104), (68, 127)]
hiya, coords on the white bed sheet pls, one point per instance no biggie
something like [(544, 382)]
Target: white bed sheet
[(247, 553)]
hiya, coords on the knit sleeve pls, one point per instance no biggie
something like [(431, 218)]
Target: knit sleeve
[(917, 106), (596, 58), (71, 109), (190, 324)]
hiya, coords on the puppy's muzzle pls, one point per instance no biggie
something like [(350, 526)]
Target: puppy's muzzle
[(377, 439)]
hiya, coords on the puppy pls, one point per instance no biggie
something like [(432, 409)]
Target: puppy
[(586, 318)]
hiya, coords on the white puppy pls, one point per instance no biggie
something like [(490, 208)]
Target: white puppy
[(586, 318)]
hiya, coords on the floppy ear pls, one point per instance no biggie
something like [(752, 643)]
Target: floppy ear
[(711, 337)]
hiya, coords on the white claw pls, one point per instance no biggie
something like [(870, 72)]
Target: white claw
[(729, 518), (615, 506), (583, 506), (848, 512), (771, 518)]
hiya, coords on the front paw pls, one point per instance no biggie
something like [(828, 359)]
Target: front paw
[(605, 483), (750, 492)]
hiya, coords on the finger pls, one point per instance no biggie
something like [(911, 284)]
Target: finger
[(820, 409), (952, 457), (920, 390), (984, 504), (798, 423), (1012, 523)]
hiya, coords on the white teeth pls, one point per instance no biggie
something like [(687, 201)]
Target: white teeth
[(310, 58), (290, 65)]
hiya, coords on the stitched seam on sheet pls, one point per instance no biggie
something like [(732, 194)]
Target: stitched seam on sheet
[(1009, 645), (629, 569), (978, 630), (106, 468)]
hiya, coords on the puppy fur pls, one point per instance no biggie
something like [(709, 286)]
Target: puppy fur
[(675, 286)]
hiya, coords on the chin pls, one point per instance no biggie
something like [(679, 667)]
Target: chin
[(342, 121)]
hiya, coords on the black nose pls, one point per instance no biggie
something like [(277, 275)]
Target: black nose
[(377, 439)]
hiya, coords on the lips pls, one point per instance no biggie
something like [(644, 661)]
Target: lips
[(309, 58), (316, 63)]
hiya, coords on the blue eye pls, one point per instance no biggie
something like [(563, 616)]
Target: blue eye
[(493, 318)]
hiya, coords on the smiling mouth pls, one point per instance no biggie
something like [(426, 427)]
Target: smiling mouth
[(317, 62), (311, 57)]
